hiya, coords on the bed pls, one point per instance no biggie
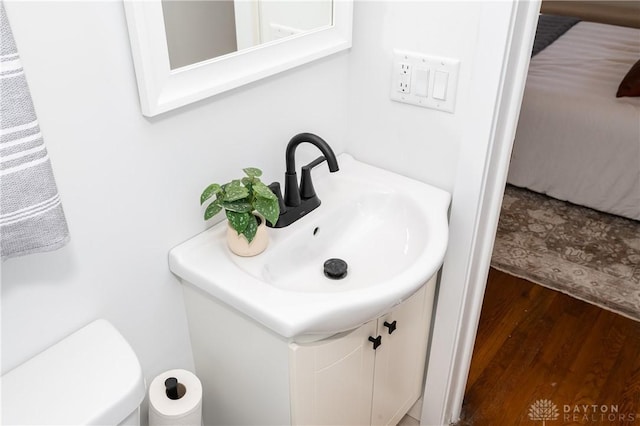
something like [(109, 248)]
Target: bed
[(576, 141)]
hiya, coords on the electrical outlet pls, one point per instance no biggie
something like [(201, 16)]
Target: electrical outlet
[(426, 81), (404, 78)]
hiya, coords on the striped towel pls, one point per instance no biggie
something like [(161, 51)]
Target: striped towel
[(31, 216)]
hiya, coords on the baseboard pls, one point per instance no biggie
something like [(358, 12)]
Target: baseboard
[(416, 410)]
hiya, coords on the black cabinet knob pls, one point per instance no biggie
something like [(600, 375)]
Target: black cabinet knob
[(390, 326), (377, 341)]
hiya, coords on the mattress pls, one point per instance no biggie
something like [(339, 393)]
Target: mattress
[(575, 140)]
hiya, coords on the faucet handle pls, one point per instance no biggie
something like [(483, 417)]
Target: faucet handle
[(314, 163), (306, 185)]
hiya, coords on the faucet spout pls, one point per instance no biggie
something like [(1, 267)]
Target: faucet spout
[(292, 193), (315, 140), (300, 201)]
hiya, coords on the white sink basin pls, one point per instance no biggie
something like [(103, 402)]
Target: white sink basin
[(390, 230), (377, 234)]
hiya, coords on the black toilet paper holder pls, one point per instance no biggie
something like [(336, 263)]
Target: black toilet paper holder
[(174, 389)]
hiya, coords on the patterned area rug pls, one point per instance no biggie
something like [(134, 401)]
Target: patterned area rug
[(586, 254)]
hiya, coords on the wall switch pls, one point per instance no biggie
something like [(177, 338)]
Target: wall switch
[(440, 85), (422, 82), (426, 81)]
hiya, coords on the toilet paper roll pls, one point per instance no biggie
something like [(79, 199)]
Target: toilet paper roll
[(185, 411)]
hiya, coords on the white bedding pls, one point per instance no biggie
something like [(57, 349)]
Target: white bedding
[(575, 140)]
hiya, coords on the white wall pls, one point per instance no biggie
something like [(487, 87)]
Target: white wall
[(420, 143), (447, 150), (130, 185)]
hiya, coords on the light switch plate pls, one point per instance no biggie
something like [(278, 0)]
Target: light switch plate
[(421, 64)]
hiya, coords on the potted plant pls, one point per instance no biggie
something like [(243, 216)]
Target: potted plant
[(247, 203)]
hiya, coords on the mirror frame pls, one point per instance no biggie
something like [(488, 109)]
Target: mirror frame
[(162, 89)]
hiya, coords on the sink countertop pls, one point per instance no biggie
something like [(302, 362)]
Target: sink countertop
[(206, 262)]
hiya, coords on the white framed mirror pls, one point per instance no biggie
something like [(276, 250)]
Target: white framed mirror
[(256, 39)]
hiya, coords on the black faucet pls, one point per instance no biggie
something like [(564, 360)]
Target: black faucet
[(298, 201)]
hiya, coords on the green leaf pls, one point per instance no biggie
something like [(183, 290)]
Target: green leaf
[(268, 208), (233, 184), (212, 210), (236, 192), (263, 191), (251, 229), (209, 191), (252, 172), (239, 206), (238, 221)]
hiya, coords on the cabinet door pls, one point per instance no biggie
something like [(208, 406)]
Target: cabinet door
[(331, 380), (400, 359)]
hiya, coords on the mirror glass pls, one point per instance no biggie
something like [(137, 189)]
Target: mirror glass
[(199, 30)]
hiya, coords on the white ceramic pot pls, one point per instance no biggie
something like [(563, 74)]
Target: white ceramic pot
[(239, 245)]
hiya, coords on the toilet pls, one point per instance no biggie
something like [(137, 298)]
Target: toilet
[(92, 377)]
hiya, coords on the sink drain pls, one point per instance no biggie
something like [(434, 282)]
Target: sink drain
[(336, 269)]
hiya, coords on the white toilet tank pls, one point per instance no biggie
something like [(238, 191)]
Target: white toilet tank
[(92, 377)]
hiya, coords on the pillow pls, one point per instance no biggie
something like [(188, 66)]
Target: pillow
[(630, 85)]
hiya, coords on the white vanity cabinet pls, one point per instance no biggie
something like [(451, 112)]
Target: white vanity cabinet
[(275, 342), (250, 375), (371, 375)]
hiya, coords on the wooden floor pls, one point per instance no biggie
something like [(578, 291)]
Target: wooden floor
[(537, 344)]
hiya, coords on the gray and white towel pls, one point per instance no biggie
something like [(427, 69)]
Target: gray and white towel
[(31, 216)]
